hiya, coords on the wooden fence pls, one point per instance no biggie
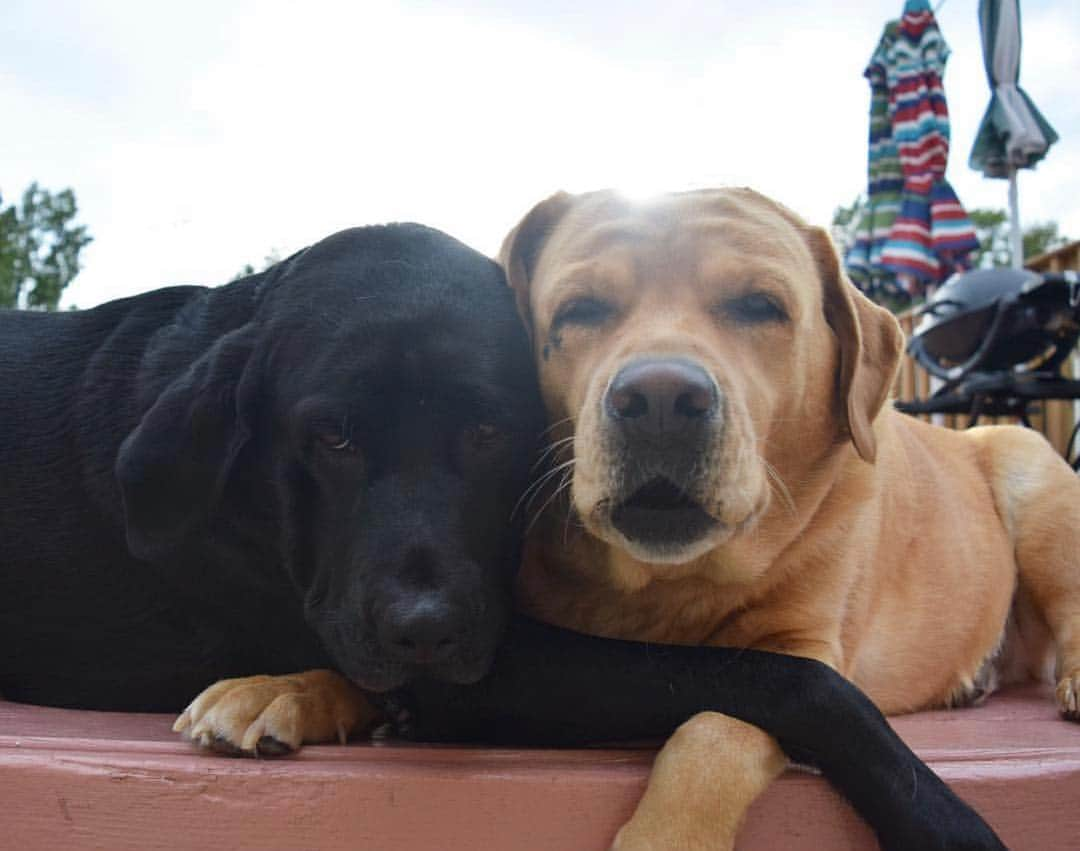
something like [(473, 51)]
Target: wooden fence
[(1054, 418)]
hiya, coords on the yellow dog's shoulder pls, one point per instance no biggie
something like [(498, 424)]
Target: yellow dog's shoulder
[(1017, 453), (1005, 438), (1023, 468), (995, 449)]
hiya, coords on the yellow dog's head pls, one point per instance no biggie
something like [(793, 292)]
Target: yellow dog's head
[(691, 346)]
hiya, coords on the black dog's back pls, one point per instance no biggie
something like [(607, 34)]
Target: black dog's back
[(82, 623), (55, 369)]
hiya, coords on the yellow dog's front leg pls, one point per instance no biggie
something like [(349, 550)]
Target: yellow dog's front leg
[(265, 715), (703, 781)]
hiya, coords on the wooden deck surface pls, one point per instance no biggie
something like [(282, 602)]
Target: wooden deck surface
[(86, 780)]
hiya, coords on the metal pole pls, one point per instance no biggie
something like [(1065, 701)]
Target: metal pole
[(1016, 239)]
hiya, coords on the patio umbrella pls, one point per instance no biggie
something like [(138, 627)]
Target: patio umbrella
[(930, 234), (1013, 133), (885, 179)]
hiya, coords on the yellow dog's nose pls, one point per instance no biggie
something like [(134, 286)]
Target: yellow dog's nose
[(658, 397)]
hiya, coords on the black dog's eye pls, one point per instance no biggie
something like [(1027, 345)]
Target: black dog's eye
[(753, 309), (338, 444), (484, 435), (586, 311)]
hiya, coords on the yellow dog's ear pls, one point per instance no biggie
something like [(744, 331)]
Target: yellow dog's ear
[(870, 342), (522, 246)]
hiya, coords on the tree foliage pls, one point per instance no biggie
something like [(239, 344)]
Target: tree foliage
[(1042, 237), (39, 248), (249, 269), (992, 229)]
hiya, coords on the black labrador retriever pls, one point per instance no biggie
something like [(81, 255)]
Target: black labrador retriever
[(316, 467)]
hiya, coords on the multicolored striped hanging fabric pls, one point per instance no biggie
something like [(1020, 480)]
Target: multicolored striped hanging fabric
[(930, 235), (885, 178)]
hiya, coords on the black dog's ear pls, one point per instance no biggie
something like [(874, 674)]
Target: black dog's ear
[(173, 467)]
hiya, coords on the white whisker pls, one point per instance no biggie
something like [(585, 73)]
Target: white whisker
[(552, 448), (532, 490), (555, 425), (778, 487), (568, 476)]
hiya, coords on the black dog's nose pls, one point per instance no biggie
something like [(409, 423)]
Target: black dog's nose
[(423, 633), (661, 397)]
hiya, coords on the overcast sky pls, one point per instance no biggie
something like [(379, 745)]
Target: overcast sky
[(203, 135)]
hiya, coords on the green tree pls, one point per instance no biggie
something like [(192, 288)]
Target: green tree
[(992, 230), (39, 248), (844, 222), (269, 260), (1042, 237)]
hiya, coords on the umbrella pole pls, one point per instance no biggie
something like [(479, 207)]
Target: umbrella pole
[(1016, 239)]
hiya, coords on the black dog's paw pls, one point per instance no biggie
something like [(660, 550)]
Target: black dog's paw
[(438, 712), (398, 718), (274, 716)]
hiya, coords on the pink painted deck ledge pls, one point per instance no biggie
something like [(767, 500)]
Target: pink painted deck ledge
[(86, 780)]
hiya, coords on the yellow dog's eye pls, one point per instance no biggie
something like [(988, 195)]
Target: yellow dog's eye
[(584, 310), (752, 309)]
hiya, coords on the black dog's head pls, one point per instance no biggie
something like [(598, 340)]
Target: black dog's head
[(376, 417)]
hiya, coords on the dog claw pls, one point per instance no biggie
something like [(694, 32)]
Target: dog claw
[(1068, 697), (222, 745), (269, 746), (183, 722)]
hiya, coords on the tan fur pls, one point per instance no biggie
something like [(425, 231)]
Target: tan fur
[(308, 708), (711, 749), (848, 533)]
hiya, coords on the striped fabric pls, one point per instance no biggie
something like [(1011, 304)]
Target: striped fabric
[(929, 235), (885, 179)]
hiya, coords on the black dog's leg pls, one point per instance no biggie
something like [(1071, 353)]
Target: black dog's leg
[(554, 687)]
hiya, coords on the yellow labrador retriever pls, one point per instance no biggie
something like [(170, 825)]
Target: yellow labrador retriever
[(734, 476)]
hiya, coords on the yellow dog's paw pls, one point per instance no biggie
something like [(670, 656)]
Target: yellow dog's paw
[(703, 780), (1068, 696), (270, 716)]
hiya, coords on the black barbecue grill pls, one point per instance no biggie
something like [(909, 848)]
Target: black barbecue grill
[(997, 339)]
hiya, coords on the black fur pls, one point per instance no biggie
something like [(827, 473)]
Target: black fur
[(316, 466)]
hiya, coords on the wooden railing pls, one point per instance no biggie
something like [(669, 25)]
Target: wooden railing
[(1054, 418), (1059, 260)]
